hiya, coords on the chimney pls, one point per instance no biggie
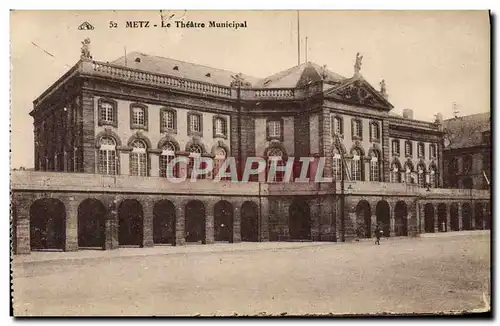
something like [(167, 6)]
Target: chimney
[(408, 113), (439, 118)]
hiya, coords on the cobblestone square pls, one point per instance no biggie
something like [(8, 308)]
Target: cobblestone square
[(403, 275)]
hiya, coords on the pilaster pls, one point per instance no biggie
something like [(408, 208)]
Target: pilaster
[(147, 215), (209, 224), (71, 241)]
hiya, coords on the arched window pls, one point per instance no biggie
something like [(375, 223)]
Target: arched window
[(336, 165), (139, 159), (276, 155), (374, 167), (107, 156), (195, 152), (356, 167), (432, 176), (219, 158), (395, 173), (408, 173), (166, 156), (421, 175)]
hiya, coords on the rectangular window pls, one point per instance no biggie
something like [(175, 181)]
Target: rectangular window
[(107, 112), (357, 129), (337, 126), (374, 170), (138, 116), (408, 149), (421, 150), (168, 121), (107, 160), (374, 131), (220, 128), (274, 129), (336, 167), (432, 149), (194, 123), (356, 169), (395, 147)]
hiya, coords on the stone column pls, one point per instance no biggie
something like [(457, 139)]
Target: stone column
[(147, 224), (71, 241), (264, 220), (315, 211), (460, 221), (209, 224), (180, 219), (154, 160), (484, 212), (338, 217), (392, 220), (236, 223), (111, 227), (386, 148), (373, 221), (436, 218), (472, 217), (448, 218), (22, 229), (327, 220), (421, 217)]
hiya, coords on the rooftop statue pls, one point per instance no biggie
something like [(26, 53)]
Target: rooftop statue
[(86, 49), (357, 65)]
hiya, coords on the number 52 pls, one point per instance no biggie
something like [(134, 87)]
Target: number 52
[(113, 24)]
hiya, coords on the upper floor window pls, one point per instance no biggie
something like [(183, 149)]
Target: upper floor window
[(395, 173), (421, 175), (374, 167), (356, 166), (168, 120), (107, 112), (432, 177), (274, 129), (432, 151), (337, 125), (107, 156), (395, 147), (166, 156), (467, 164), (219, 158), (194, 123), (337, 165), (357, 129), (275, 156), (139, 159), (220, 127), (408, 148), (374, 131), (195, 152), (421, 150), (138, 116)]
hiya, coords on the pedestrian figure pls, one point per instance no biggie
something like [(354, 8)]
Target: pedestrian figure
[(378, 234)]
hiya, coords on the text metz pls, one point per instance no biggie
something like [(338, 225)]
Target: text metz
[(137, 24)]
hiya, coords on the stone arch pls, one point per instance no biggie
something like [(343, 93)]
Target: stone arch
[(164, 222), (299, 222), (139, 136), (429, 215), (466, 216), (195, 221), (218, 144), (168, 139), (130, 221), (363, 219), (278, 145), (358, 147), (401, 218), (195, 140), (223, 221), (107, 132), (91, 223), (383, 213), (442, 212), (249, 221), (47, 224), (375, 149)]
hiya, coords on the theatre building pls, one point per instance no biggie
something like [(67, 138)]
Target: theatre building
[(105, 133)]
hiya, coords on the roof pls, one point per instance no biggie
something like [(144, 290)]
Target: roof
[(290, 78), (467, 131), (184, 69), (299, 75)]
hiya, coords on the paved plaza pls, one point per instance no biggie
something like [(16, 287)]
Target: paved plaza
[(439, 273)]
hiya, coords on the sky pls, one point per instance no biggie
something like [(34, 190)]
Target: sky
[(429, 59)]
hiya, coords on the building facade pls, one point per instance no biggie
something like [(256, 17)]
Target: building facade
[(467, 152), (105, 132)]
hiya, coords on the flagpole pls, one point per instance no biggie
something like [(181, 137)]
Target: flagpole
[(298, 38)]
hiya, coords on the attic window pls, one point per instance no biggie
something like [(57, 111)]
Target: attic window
[(208, 75), (176, 67), (137, 59)]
